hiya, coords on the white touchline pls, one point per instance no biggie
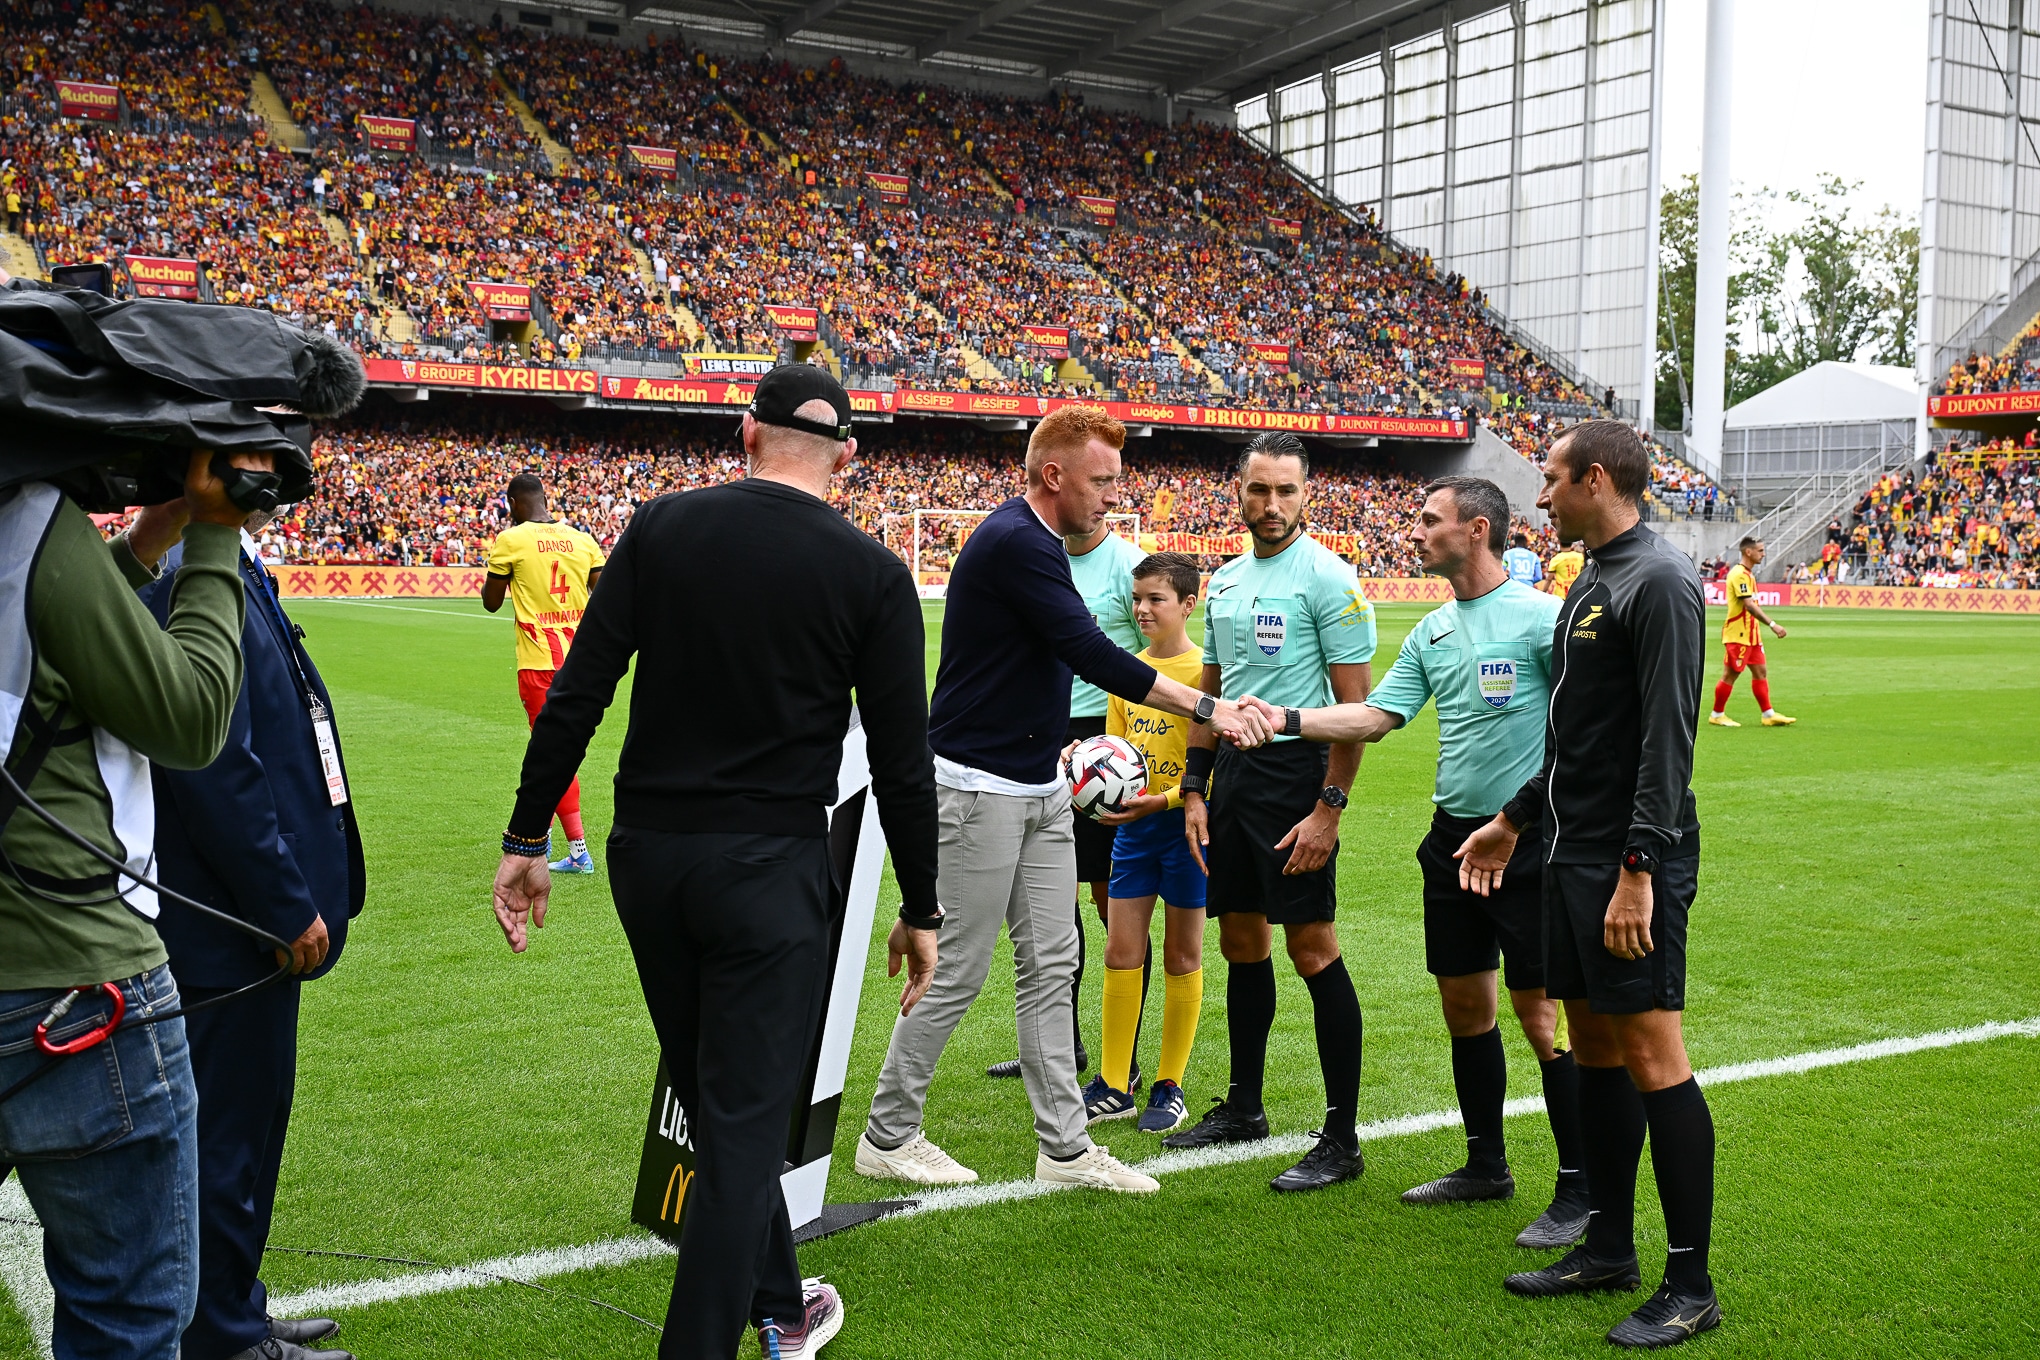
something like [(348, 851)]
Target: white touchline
[(22, 1272), (400, 608)]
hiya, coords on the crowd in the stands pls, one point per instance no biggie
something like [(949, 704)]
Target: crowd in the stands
[(173, 69), (1967, 520)]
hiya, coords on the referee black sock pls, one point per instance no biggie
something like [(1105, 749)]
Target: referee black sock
[(1682, 1154), (1611, 1144), (1562, 1107), (1249, 1015), (1337, 1008), (1480, 1073)]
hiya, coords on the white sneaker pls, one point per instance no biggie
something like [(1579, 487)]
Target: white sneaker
[(916, 1160), (1097, 1169)]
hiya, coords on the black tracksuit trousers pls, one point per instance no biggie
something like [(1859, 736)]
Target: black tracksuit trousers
[(731, 936)]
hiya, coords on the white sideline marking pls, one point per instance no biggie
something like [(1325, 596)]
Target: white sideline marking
[(21, 1264), (539, 1265), (401, 608)]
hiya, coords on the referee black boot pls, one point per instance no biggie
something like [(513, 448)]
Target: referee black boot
[(1329, 1163), (1579, 1271), (1223, 1123), (1464, 1186), (1666, 1318)]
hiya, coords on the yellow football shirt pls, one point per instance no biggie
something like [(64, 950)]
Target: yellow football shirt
[(1741, 625), (1563, 569), (1159, 736), (548, 566)]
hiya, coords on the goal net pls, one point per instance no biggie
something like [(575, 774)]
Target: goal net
[(929, 540)]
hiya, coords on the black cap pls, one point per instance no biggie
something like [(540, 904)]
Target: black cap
[(789, 387)]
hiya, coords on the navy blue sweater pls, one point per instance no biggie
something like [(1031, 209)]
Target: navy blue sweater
[(1013, 629)]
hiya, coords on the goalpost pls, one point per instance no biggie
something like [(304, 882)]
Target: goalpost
[(928, 540)]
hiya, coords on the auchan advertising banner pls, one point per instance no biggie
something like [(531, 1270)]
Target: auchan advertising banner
[(1472, 369), (1055, 339), (662, 162), (1285, 228), (1269, 352), (798, 323), (503, 301), (709, 390), (155, 276), (891, 188), (82, 99), (389, 134), (1984, 404), (1104, 211)]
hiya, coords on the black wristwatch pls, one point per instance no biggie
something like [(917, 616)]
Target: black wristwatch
[(1292, 722), (1331, 795), (913, 922), (1206, 706), (1639, 862)]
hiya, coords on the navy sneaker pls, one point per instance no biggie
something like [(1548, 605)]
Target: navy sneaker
[(1102, 1102), (1166, 1108)]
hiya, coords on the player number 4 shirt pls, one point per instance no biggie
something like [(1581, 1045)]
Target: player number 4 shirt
[(1272, 624), (548, 566)]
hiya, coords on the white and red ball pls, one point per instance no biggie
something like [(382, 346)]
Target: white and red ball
[(1105, 774)]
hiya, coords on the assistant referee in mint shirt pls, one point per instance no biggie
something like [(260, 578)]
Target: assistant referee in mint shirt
[(1485, 657)]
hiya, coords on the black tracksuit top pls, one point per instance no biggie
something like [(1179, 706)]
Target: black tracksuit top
[(1625, 704)]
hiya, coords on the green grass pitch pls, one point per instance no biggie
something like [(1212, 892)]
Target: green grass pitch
[(1867, 874)]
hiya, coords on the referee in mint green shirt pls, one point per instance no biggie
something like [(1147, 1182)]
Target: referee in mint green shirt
[(1486, 659)]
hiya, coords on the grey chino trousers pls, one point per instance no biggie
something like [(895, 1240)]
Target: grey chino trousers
[(1010, 860)]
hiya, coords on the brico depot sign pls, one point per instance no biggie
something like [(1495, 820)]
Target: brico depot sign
[(710, 391)]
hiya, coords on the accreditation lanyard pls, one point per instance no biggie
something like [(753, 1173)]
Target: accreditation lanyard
[(315, 707)]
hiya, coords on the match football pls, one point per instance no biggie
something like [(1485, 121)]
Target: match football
[(1201, 678)]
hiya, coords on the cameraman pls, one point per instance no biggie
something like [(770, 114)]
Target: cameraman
[(91, 691), (266, 833)]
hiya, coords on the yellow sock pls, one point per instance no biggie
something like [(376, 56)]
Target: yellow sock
[(1122, 1017), (1182, 999)]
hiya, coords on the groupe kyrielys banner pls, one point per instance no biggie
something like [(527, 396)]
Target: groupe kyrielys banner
[(83, 99)]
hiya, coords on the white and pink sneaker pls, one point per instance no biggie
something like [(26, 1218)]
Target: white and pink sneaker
[(822, 1318)]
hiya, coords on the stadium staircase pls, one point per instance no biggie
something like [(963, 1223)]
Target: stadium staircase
[(1191, 363), (977, 366), (558, 157), (215, 20), (274, 111), (691, 329), (17, 256)]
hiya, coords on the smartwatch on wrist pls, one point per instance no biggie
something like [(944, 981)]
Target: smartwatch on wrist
[(1206, 706), (1639, 862), (1292, 722), (1331, 795), (913, 922)]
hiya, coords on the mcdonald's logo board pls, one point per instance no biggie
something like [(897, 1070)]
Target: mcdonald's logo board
[(1054, 339), (154, 276), (389, 134), (82, 99), (666, 1170), (663, 162), (795, 323), (1104, 211), (503, 301), (891, 188)]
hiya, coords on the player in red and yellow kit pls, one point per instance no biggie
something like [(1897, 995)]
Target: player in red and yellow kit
[(547, 568), (1743, 644), (1563, 569)]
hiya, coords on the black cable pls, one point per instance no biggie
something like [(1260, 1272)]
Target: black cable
[(2011, 92), (121, 869)]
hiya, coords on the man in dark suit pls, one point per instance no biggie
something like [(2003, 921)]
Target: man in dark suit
[(267, 833)]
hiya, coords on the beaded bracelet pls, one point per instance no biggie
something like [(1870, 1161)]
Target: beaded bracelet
[(529, 846)]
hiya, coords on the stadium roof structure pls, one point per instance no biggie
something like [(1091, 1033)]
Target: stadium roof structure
[(1200, 51), (1831, 393)]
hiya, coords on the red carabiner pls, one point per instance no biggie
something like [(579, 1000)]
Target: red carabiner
[(91, 1037)]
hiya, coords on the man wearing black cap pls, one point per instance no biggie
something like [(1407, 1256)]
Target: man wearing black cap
[(754, 611)]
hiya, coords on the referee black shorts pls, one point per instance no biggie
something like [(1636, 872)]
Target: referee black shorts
[(1094, 842), (1467, 933), (1577, 964), (1257, 798)]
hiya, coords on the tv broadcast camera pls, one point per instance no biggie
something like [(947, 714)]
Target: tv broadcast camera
[(107, 399)]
